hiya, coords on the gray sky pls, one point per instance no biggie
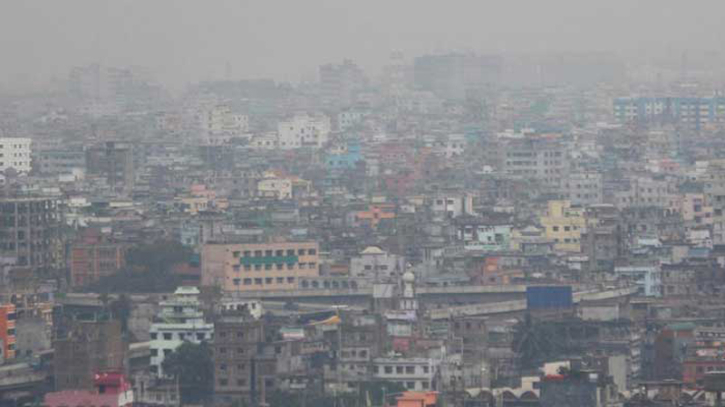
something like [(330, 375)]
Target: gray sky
[(186, 40)]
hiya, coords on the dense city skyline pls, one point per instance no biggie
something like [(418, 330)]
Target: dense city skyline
[(187, 41)]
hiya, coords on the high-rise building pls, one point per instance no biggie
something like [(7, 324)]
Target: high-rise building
[(30, 232), (452, 76), (113, 161), (339, 82), (15, 153)]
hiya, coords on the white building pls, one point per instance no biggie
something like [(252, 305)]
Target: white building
[(219, 124), (303, 130), (350, 118), (15, 153), (179, 321), (452, 204), (377, 264), (416, 374)]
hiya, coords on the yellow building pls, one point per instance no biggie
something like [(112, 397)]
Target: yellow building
[(259, 266), (563, 224)]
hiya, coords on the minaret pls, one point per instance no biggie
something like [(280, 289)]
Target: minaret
[(408, 302)]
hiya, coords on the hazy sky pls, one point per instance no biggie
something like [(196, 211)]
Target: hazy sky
[(186, 40)]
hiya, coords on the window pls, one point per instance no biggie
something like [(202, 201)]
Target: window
[(167, 352), (290, 252), (268, 253), (247, 281), (301, 252), (257, 253), (258, 281), (399, 369), (247, 253), (555, 228), (312, 252), (268, 280), (154, 335), (200, 336), (236, 254), (167, 336), (388, 369), (154, 352), (410, 385), (410, 369), (290, 280)]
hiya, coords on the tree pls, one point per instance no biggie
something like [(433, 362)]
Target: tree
[(535, 342), (192, 366)]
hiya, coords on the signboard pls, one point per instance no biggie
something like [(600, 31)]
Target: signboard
[(548, 297)]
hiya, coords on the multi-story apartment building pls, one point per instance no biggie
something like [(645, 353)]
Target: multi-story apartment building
[(115, 162), (59, 161), (259, 266), (583, 188), (647, 191), (536, 159), (180, 320), (416, 374), (563, 224), (339, 82), (239, 370), (15, 153), (30, 232), (94, 256), (694, 112), (87, 348), (7, 331), (303, 130)]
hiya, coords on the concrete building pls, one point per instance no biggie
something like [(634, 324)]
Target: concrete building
[(88, 348), (340, 82), (30, 232), (452, 76), (416, 374), (693, 112), (579, 389), (93, 257), (15, 153), (303, 130), (377, 264), (259, 266), (583, 188), (647, 278), (564, 224), (114, 161), (7, 331), (452, 204), (180, 320), (542, 160), (240, 373)]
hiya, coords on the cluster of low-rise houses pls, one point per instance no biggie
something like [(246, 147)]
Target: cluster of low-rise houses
[(424, 230)]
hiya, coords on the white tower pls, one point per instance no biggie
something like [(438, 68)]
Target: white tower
[(409, 302)]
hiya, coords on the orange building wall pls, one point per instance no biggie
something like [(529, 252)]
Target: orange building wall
[(7, 330)]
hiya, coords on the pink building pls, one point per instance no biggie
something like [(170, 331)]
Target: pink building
[(111, 390)]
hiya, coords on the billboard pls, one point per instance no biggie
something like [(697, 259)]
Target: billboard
[(548, 297)]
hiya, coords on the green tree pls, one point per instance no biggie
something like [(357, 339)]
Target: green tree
[(192, 366), (536, 342)]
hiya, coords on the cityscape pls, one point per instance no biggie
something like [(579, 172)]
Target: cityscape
[(454, 227)]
